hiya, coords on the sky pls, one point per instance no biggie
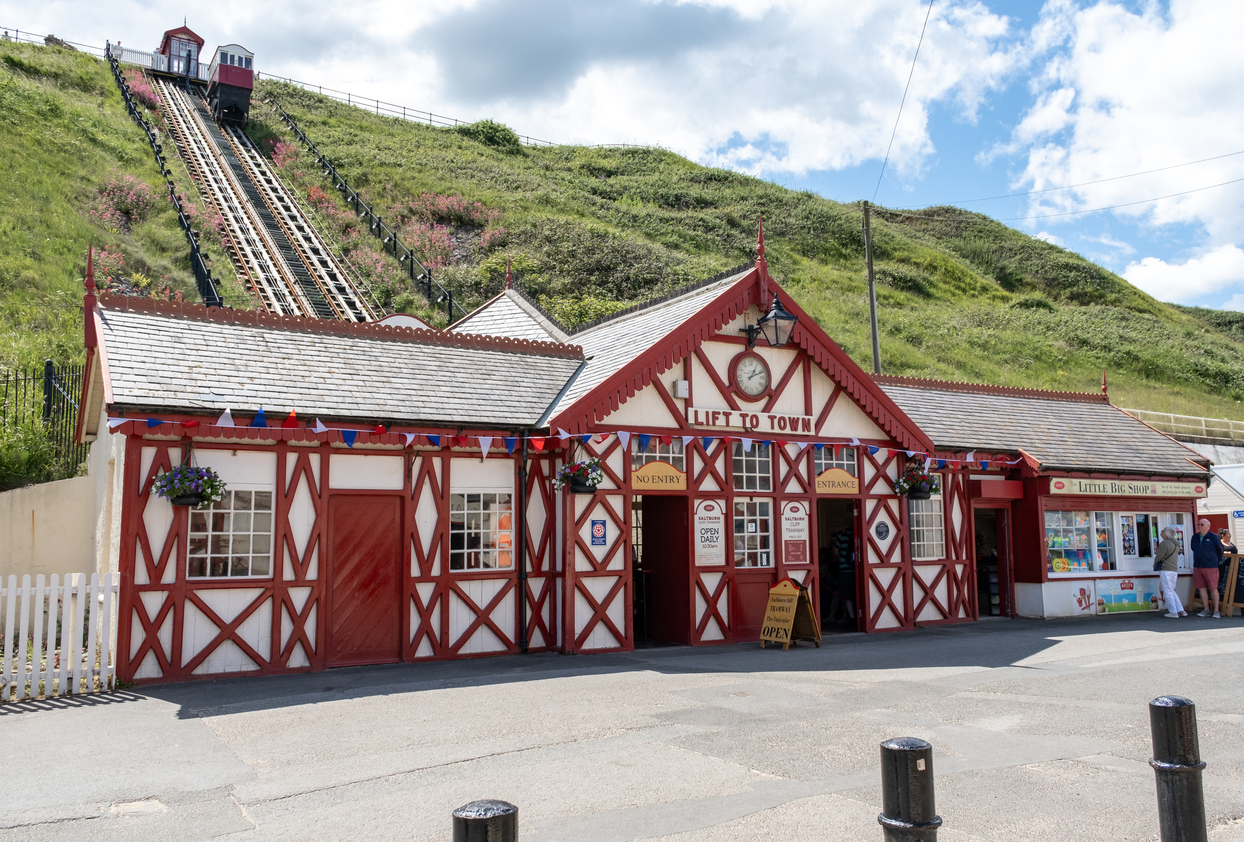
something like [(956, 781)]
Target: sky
[(1126, 117)]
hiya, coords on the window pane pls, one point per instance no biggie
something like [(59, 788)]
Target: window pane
[(263, 501)]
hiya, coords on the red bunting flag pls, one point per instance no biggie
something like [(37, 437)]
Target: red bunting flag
[(190, 424), (291, 422), (537, 443), (379, 429), (665, 440)]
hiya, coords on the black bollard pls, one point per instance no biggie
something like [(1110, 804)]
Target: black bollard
[(908, 813), (1177, 764), (488, 820)]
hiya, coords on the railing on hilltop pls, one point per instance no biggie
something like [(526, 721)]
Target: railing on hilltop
[(1207, 430), (390, 241), (46, 397)]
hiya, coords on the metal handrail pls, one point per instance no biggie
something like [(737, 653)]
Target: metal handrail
[(1223, 429)]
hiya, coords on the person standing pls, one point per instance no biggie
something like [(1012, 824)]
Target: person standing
[(1166, 562), (1206, 559)]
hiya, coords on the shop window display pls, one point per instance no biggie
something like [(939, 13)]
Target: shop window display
[(480, 532)]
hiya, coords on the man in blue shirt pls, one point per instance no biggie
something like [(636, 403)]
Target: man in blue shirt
[(1206, 559)]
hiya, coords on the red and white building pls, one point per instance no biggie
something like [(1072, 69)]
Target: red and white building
[(400, 504)]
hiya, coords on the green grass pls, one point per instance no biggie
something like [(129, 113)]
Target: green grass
[(64, 132)]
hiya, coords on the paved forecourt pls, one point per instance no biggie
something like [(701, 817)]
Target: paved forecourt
[(1040, 731)]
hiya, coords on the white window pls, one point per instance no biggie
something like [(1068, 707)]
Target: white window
[(480, 531), (658, 451), (753, 533), (233, 537), (927, 529), (248, 63), (825, 459), (752, 469)]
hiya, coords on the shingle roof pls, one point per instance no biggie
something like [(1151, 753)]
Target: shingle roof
[(160, 360), (615, 342), (1062, 430), (511, 314)]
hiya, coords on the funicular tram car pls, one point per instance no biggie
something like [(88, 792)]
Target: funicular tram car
[(230, 82)]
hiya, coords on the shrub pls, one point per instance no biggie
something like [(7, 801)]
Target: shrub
[(492, 133), (26, 456), (140, 88), (905, 280), (121, 202), (1033, 302)]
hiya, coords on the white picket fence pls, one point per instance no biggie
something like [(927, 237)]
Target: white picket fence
[(60, 638)]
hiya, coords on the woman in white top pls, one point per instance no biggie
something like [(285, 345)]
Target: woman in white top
[(1166, 562)]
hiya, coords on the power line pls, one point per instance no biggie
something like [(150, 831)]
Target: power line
[(1088, 183), (916, 213), (903, 101)]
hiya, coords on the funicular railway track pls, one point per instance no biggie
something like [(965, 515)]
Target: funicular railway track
[(279, 254)]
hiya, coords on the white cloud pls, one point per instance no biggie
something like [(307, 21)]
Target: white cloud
[(1235, 302), (1110, 242), (1122, 91), (1213, 272), (1049, 238)]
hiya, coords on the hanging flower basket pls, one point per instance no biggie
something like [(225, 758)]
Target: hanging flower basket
[(190, 485), (580, 477), (916, 483)]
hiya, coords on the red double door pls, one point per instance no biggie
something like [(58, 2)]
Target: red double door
[(364, 622)]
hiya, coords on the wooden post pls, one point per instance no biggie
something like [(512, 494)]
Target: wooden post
[(872, 290)]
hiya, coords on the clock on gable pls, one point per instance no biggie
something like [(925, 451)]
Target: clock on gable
[(750, 373)]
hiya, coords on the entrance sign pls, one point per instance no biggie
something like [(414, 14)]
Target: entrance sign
[(789, 616), (758, 422), (837, 481), (1126, 488), (795, 532), (658, 476), (710, 532)]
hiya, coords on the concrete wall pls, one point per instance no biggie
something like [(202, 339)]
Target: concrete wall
[(48, 528)]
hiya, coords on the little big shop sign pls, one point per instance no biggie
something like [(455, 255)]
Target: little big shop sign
[(1126, 488)]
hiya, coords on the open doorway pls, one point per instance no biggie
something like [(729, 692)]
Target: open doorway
[(661, 570), (838, 564), (993, 564)]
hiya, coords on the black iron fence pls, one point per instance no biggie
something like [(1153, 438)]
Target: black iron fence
[(46, 400), (420, 274), (202, 274)]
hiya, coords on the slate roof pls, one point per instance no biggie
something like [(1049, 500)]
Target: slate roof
[(613, 343), (1063, 431), (511, 314), (158, 360)]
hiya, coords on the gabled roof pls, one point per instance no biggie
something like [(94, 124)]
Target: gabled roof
[(180, 32), (514, 315), (187, 359), (1061, 431), (627, 350)]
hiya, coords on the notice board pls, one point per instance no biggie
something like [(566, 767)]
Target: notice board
[(789, 616)]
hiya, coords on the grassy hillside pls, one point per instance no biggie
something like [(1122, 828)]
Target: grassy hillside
[(65, 138), (588, 231), (961, 296)]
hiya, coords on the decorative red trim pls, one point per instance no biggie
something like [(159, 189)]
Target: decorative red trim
[(362, 330), (988, 389)]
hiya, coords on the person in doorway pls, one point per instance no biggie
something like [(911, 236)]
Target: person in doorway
[(1166, 562), (844, 541), (1206, 559), (1224, 535)]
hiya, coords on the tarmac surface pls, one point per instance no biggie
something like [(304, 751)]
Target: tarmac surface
[(1040, 731)]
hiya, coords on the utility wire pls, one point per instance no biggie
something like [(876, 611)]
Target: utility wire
[(903, 101), (919, 215), (1087, 183)]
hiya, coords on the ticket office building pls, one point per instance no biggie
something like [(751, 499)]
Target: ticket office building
[(1067, 519)]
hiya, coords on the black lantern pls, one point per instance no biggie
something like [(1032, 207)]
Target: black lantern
[(776, 326)]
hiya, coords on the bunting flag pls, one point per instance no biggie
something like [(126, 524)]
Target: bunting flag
[(190, 425), (379, 430), (290, 422), (625, 438), (941, 463), (818, 445), (802, 446), (319, 427), (644, 438), (971, 456), (154, 422), (747, 445), (260, 420), (985, 465), (667, 440), (855, 442), (510, 443), (706, 442), (485, 442), (562, 434), (348, 436), (225, 420), (537, 443), (873, 450), (586, 439), (436, 440), (113, 423), (409, 438), (460, 441), (686, 440)]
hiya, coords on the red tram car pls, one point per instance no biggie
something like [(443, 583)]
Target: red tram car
[(231, 79)]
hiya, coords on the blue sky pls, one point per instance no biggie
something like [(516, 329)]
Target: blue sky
[(1008, 96)]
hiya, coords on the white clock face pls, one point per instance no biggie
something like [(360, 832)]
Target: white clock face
[(751, 375)]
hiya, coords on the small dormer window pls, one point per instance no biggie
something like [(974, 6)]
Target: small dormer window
[(248, 63)]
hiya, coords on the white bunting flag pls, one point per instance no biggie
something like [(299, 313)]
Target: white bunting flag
[(485, 442), (747, 445), (686, 440), (971, 456), (113, 423), (625, 439), (855, 442), (409, 438), (562, 434), (320, 428), (225, 420), (802, 445)]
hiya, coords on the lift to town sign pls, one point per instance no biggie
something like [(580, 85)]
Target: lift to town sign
[(1126, 488)]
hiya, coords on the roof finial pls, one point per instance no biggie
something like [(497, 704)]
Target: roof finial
[(1103, 381), (509, 276)]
